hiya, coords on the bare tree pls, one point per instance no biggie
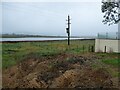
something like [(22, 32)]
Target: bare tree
[(111, 10)]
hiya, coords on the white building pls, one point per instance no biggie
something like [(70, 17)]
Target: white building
[(108, 44)]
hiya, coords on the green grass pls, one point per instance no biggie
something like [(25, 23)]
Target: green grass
[(13, 53), (113, 62)]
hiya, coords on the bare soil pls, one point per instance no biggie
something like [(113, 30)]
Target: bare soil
[(61, 71)]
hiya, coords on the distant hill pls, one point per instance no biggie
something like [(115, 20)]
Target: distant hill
[(24, 35), (45, 36)]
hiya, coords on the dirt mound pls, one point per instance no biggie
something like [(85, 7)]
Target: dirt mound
[(62, 71), (66, 79), (31, 81), (82, 79)]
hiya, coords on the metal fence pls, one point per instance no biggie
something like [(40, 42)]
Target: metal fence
[(109, 35)]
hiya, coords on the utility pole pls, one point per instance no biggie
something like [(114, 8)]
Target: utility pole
[(68, 29)]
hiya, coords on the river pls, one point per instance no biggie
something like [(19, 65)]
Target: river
[(35, 39)]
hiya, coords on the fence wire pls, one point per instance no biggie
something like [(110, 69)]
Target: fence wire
[(109, 35)]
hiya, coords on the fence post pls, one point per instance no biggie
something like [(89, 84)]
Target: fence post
[(106, 35), (98, 35), (116, 35), (105, 49), (92, 49)]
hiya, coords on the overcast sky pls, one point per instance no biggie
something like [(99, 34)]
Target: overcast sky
[(49, 18)]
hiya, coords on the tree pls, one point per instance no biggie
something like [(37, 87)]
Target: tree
[(111, 8)]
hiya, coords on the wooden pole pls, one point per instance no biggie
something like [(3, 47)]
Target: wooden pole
[(68, 29)]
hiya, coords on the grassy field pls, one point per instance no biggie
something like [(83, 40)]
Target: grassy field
[(12, 53), (49, 60), (113, 62)]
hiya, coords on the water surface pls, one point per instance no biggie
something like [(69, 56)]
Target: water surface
[(34, 39)]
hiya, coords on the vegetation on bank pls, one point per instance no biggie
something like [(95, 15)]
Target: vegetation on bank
[(33, 36), (39, 36), (15, 52)]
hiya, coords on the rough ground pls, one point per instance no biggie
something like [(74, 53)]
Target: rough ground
[(62, 71), (0, 78)]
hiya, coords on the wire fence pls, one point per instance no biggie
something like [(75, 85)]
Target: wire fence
[(109, 35)]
